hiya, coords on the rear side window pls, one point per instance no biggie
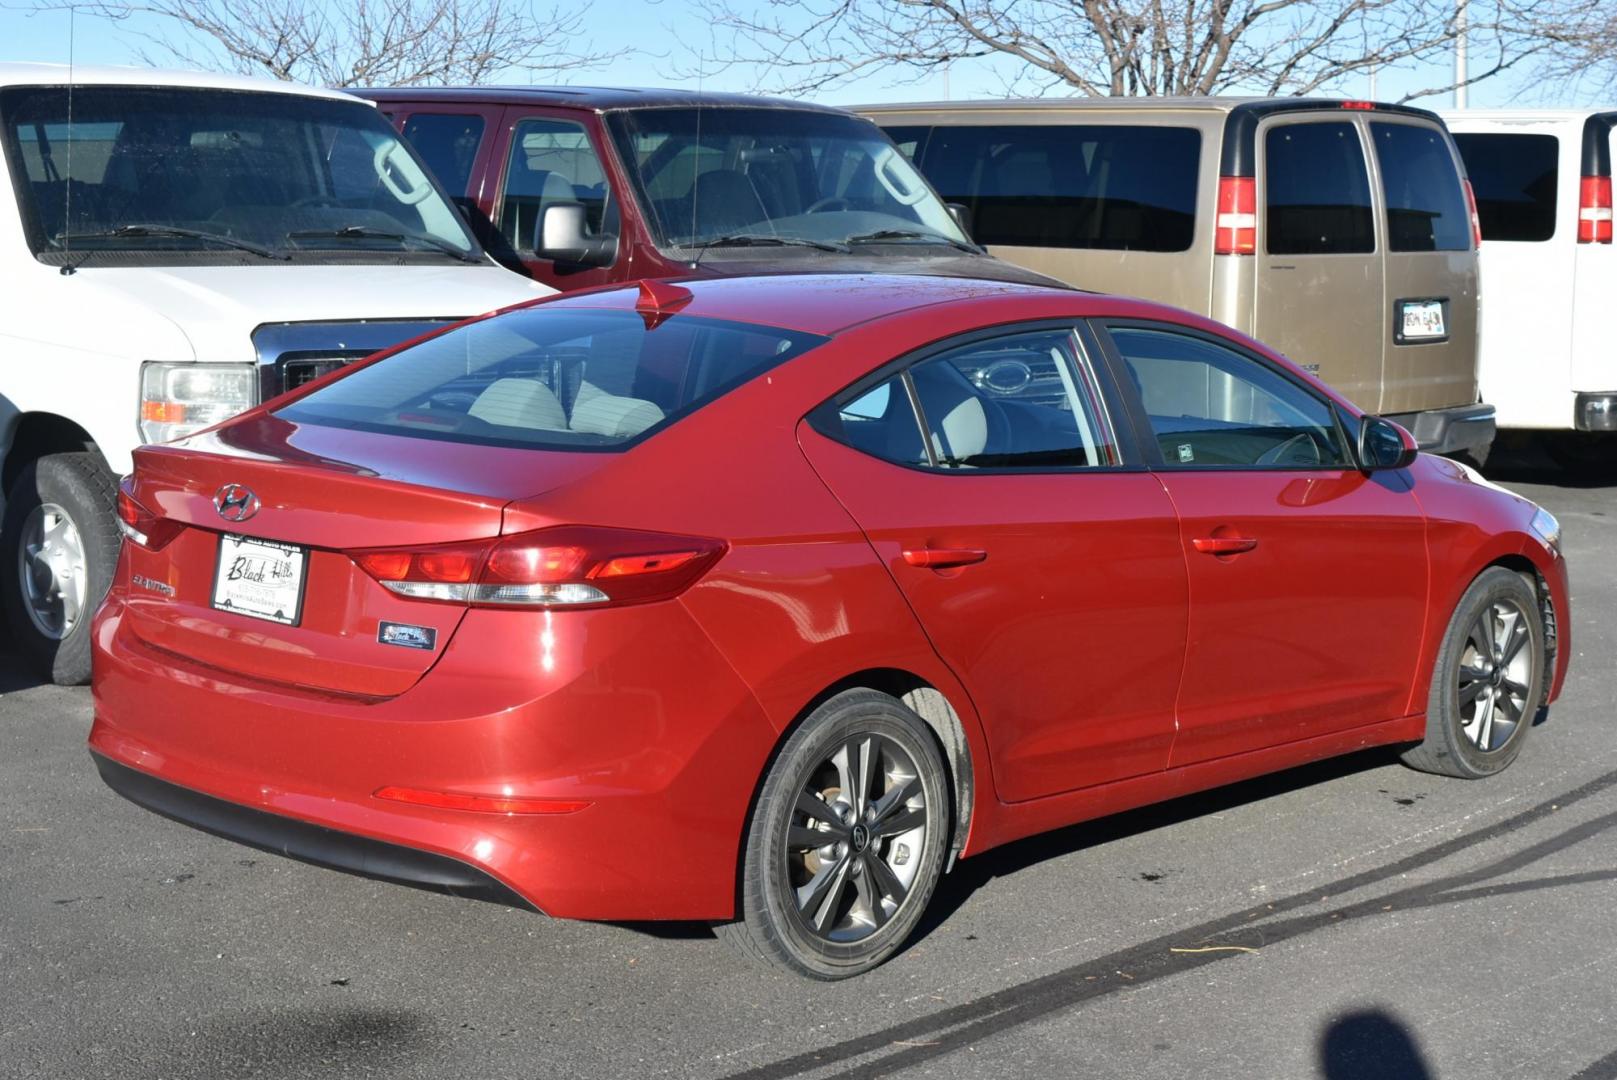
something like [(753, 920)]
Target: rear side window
[(1023, 401), (1514, 178), (448, 144), (551, 379), (1426, 208), (1317, 191), (1112, 187)]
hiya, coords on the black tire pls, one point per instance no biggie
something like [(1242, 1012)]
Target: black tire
[(86, 492), (907, 778), (1487, 684)]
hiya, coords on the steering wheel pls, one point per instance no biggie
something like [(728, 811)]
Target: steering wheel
[(1300, 449), (830, 202)]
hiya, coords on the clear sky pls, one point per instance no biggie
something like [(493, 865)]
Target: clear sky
[(648, 27)]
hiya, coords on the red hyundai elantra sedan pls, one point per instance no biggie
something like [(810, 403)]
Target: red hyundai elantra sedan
[(761, 601)]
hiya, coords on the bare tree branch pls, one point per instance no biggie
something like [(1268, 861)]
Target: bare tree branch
[(360, 43)]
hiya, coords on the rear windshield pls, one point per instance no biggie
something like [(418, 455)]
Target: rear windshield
[(1426, 208), (1514, 179), (1317, 191), (559, 379), (1109, 186)]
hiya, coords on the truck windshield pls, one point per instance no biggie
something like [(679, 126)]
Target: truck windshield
[(742, 177), (141, 174)]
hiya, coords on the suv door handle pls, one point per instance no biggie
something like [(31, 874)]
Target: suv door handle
[(1223, 545), (942, 558)]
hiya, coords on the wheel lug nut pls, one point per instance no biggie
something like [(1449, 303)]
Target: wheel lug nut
[(901, 854)]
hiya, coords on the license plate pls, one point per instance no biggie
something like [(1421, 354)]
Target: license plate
[(262, 579), (1423, 320)]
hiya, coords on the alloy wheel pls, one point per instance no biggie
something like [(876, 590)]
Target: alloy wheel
[(855, 837), (1496, 669), (51, 568)]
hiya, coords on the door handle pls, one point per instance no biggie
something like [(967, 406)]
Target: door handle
[(1223, 545), (933, 558)]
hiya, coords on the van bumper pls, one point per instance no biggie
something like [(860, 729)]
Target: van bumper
[(1595, 412), (1449, 431)]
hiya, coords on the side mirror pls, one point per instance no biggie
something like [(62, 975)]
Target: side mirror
[(961, 215), (561, 236), (1384, 445)]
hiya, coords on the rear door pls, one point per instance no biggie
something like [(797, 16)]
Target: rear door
[(1045, 570), (1431, 268), (1320, 288), (1524, 176), (1307, 577)]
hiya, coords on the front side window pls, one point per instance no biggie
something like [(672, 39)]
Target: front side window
[(1022, 401), (1514, 178), (783, 174), (1426, 208), (1209, 405), (553, 163), (1113, 187), (447, 143), (551, 379), (144, 173), (1316, 191)]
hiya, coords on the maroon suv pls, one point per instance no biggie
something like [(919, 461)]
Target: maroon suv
[(581, 186)]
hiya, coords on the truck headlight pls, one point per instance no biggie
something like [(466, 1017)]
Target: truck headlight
[(178, 399), (1548, 529)]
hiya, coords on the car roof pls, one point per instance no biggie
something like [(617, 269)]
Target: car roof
[(31, 74), (1511, 116), (1128, 104), (592, 98), (827, 304)]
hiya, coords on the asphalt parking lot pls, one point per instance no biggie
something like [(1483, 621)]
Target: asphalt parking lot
[(1351, 919)]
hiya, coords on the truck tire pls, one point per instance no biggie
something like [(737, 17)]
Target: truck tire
[(58, 547)]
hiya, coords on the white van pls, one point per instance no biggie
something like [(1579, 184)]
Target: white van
[(1543, 183), (181, 246)]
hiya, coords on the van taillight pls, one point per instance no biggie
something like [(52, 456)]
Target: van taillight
[(565, 566), (1476, 221), (1594, 210), (141, 525), (1237, 222)]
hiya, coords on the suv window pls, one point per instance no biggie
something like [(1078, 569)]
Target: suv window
[(551, 379), (448, 144), (971, 422), (1514, 178), (553, 163), (1426, 208), (1108, 186), (1212, 405), (1317, 191)]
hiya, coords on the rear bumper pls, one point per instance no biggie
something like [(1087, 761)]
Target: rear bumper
[(1595, 412), (1449, 431), (303, 841), (630, 711)]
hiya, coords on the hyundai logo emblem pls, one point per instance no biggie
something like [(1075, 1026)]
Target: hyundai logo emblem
[(235, 502)]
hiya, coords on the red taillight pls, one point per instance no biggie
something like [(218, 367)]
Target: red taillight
[(1237, 222), (482, 804), (140, 524), (1476, 222), (1366, 106), (570, 565), (1594, 210)]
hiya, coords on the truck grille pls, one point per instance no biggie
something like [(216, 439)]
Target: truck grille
[(291, 355), (294, 373)]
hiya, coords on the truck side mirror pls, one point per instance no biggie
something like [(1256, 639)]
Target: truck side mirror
[(961, 215), (1384, 445), (561, 236)]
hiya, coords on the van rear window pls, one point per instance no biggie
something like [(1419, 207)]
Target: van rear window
[(1426, 208), (551, 379), (1317, 191), (1109, 186), (1514, 177)]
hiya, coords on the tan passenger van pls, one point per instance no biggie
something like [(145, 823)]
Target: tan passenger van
[(1339, 232)]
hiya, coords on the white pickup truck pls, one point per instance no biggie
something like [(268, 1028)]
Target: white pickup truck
[(182, 246)]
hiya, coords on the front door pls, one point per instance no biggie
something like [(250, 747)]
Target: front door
[(1320, 286), (1308, 578), (1046, 571)]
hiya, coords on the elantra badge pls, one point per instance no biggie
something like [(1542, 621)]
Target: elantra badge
[(410, 637), (235, 502)]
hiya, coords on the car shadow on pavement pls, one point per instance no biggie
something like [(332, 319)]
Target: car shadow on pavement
[(1371, 1045), (1523, 459), (971, 874), (16, 675)]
